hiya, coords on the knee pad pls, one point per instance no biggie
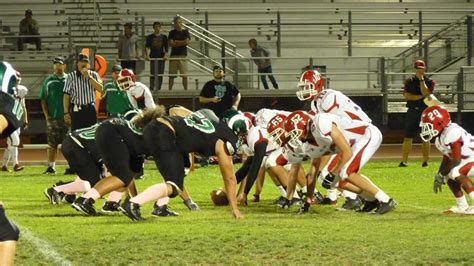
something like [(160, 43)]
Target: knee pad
[(176, 189)]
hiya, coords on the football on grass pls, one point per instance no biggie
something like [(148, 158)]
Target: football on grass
[(219, 197)]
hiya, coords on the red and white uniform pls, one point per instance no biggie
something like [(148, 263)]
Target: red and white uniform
[(139, 92), (444, 142), (363, 138), (336, 103), (255, 136), (263, 116)]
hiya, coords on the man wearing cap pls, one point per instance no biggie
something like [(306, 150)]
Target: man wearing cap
[(128, 47), (178, 40), (416, 89), (79, 95), (117, 102), (218, 94), (29, 26), (51, 96)]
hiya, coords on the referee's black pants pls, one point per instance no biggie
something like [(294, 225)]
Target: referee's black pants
[(82, 116)]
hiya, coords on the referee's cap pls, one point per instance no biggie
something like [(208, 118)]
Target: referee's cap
[(58, 60), (420, 64), (83, 58)]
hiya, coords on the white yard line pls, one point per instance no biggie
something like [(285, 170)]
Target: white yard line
[(44, 247), (422, 208)]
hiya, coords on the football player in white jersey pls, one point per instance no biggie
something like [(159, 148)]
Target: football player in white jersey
[(355, 140), (138, 93), (13, 141), (311, 88), (457, 147)]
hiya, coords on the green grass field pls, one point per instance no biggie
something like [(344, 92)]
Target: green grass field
[(416, 232)]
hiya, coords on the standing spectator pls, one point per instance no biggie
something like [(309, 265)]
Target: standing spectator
[(29, 26), (219, 95), (116, 100), (51, 97), (128, 47), (415, 90), (156, 47), (79, 95), (264, 66), (13, 141), (178, 40)]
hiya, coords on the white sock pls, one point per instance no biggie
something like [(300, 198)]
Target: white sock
[(296, 196), (282, 191), (382, 197), (462, 202), (52, 164), (305, 189), (348, 194), (472, 197), (332, 194), (15, 155), (163, 201)]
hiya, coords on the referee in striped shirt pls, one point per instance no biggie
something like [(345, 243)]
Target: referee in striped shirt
[(79, 95)]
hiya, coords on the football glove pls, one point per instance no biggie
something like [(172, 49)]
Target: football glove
[(438, 183), (192, 206), (328, 180)]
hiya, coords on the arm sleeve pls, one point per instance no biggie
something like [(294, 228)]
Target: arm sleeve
[(206, 91), (243, 170), (68, 84), (260, 150)]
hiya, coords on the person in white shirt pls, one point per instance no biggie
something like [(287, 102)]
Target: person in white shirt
[(138, 93)]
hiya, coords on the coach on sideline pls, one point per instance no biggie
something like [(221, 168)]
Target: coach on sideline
[(79, 95)]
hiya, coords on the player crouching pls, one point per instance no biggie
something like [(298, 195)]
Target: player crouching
[(457, 147)]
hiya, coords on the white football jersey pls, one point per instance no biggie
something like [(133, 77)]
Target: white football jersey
[(335, 102), (353, 130), (263, 116), (454, 133), (256, 135), (304, 152), (140, 92)]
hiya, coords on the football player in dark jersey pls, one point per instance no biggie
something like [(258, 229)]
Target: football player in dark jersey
[(168, 138), (9, 122)]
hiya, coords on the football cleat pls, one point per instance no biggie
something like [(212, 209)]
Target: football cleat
[(280, 201), (424, 164), (131, 210), (385, 207), (469, 211), (49, 171), (317, 198), (5, 169), (163, 211), (110, 206), (18, 168), (256, 198), (86, 206), (53, 196), (456, 210), (403, 164), (369, 206), (351, 204)]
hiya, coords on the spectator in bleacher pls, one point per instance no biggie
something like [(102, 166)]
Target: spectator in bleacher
[(264, 65), (79, 95), (51, 96), (218, 94), (117, 102), (128, 47), (157, 48), (178, 40), (29, 26), (415, 90)]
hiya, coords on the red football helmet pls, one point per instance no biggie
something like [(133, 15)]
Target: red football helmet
[(310, 85), (433, 120), (296, 126), (250, 116), (276, 129), (126, 79)]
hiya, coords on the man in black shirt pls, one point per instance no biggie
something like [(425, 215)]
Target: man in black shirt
[(219, 95), (416, 89), (178, 40), (157, 47)]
